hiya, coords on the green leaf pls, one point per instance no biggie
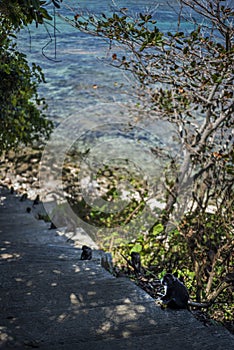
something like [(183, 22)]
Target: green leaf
[(136, 248), (158, 229)]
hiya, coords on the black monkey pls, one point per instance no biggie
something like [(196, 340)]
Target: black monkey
[(23, 197), (136, 262), (36, 200), (86, 253), (52, 226), (177, 295)]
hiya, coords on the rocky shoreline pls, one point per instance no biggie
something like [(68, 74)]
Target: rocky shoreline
[(19, 172), (19, 169)]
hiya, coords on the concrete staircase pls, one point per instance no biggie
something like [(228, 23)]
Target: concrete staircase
[(50, 299)]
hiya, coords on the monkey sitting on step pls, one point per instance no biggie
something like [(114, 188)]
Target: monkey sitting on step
[(177, 295), (136, 263), (86, 253)]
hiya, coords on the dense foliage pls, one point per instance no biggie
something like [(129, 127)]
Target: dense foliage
[(24, 12), (22, 118)]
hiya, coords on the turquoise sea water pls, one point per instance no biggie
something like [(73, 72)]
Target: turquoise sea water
[(77, 77)]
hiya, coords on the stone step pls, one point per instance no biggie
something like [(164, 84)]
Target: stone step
[(50, 299)]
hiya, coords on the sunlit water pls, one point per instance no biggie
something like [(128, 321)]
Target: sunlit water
[(75, 73)]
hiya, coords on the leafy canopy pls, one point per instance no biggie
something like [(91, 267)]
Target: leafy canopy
[(22, 118)]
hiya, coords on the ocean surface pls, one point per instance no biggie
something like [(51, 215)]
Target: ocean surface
[(76, 74)]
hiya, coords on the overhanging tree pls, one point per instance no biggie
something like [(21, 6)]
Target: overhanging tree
[(186, 78)]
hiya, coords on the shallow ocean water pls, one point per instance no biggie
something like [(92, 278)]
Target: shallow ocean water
[(75, 72)]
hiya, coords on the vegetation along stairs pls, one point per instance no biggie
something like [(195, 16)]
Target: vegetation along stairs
[(50, 299)]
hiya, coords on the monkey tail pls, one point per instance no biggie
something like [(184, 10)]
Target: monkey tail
[(199, 305)]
